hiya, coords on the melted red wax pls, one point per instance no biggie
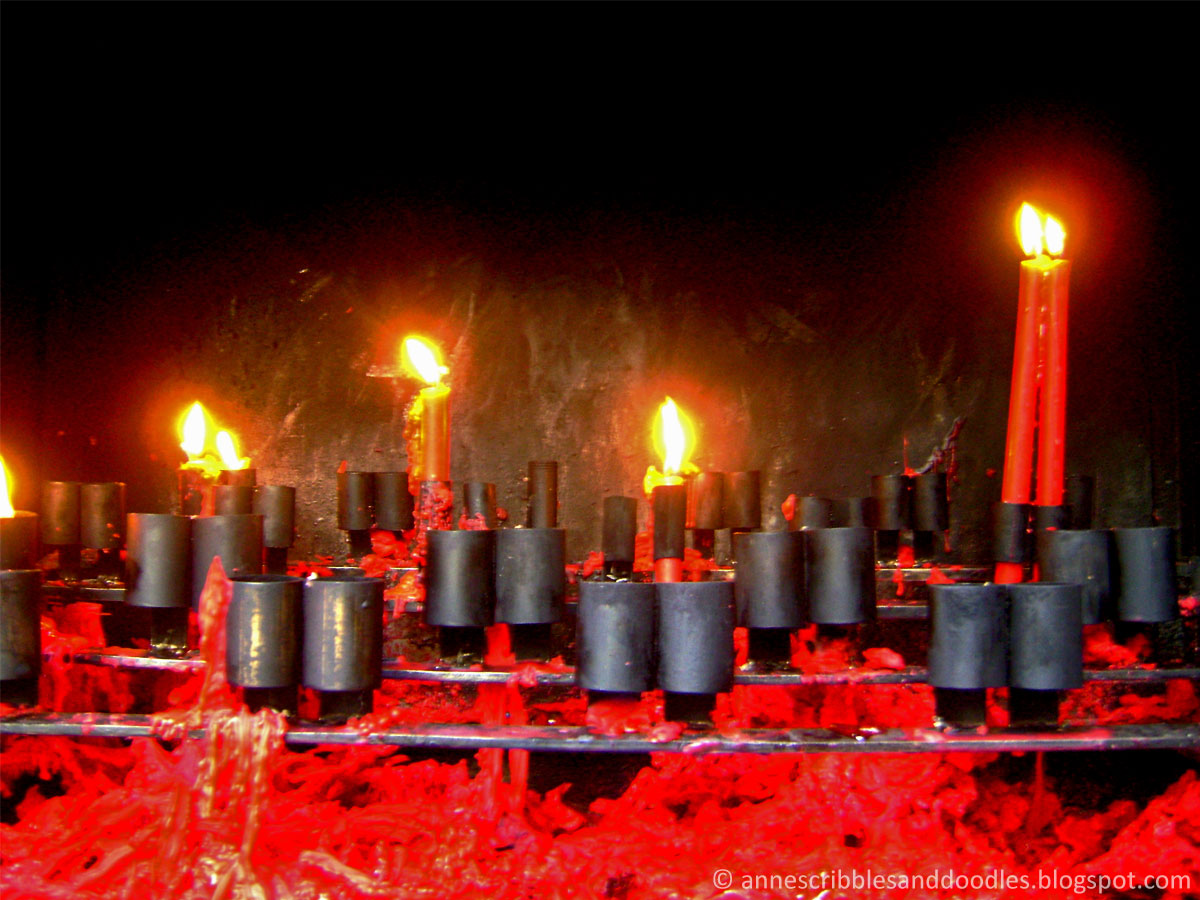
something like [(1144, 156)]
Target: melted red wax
[(477, 522), (937, 576), (789, 508), (319, 567), (906, 558), (1101, 651), (592, 564)]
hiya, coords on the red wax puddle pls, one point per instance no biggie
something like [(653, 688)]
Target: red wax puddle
[(906, 557), (882, 658), (937, 576)]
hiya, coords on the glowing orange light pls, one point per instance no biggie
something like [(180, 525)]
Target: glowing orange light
[(6, 508), (228, 451), (1039, 234), (421, 359), (673, 442), (194, 430)]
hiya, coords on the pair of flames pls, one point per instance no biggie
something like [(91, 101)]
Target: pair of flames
[(200, 453), (1040, 235)]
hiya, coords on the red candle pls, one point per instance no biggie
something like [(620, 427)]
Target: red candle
[(1039, 360), (1053, 425)]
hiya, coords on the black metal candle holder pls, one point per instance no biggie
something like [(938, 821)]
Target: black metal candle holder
[(232, 499), (1145, 573), (968, 649), (813, 512), (695, 645), (543, 494), (342, 657), (1084, 558), (19, 540), (669, 503), (355, 509), (854, 512), (743, 501), (619, 536), (531, 586), (479, 501), (840, 575), (237, 540), (769, 589), (615, 637), (60, 525), (238, 477), (460, 592), (263, 633), (158, 563), (102, 524), (930, 514), (393, 502), (1046, 633), (706, 510), (1011, 539), (276, 503), (20, 635)]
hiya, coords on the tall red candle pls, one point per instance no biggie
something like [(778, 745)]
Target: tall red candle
[(1053, 407)]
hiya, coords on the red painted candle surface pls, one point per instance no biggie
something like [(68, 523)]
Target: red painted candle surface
[(1053, 408)]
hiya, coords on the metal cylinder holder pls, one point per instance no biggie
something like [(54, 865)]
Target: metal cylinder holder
[(479, 499), (1084, 558), (813, 512), (893, 502), (695, 636), (343, 634), (158, 561), (930, 502), (615, 636), (263, 631), (1145, 572), (743, 501), (276, 503), (968, 646), (240, 477), (393, 501), (1011, 541), (355, 500), (669, 502), (840, 575), (619, 529), (60, 513), (531, 575), (706, 501), (20, 625), (1079, 497), (19, 540), (543, 494), (1050, 518), (1046, 627), (102, 515), (768, 580), (233, 499), (237, 540), (192, 483), (854, 512), (460, 587)]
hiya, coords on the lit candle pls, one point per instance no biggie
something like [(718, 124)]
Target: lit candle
[(668, 492), (432, 409), (1040, 349), (207, 462), (18, 530)]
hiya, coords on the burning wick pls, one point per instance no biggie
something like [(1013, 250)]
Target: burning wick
[(18, 530), (206, 462)]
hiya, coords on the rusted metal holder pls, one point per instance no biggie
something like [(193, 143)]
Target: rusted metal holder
[(577, 739)]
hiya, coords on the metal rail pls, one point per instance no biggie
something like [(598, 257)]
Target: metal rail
[(566, 677), (576, 739)]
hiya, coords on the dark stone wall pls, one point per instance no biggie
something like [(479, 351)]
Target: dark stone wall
[(823, 289)]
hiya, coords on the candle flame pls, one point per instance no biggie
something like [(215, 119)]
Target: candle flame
[(421, 358), (194, 430), (673, 442), (228, 450), (1040, 235), (6, 507)]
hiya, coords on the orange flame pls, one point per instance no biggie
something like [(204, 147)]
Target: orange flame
[(421, 358), (209, 458), (1040, 235), (673, 442), (6, 507)]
